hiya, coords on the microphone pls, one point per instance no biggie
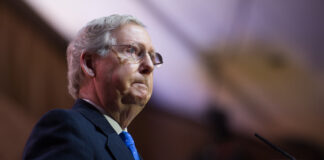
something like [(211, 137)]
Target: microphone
[(275, 147)]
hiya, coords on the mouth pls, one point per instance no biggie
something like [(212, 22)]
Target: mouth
[(139, 81), (140, 85)]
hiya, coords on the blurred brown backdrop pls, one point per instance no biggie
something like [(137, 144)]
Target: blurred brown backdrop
[(33, 81)]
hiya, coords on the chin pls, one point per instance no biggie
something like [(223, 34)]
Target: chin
[(134, 100)]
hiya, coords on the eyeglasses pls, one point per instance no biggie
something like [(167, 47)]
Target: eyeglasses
[(135, 53)]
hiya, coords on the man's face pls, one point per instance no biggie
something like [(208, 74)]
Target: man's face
[(123, 85)]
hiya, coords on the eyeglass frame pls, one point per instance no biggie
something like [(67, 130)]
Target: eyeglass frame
[(141, 58)]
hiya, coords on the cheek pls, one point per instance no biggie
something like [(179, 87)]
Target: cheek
[(122, 77), (150, 82)]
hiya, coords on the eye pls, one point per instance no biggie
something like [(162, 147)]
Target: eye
[(131, 49), (136, 51)]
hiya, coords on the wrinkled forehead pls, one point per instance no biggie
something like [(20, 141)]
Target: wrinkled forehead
[(132, 33)]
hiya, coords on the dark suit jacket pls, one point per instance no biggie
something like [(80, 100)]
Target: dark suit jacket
[(81, 133)]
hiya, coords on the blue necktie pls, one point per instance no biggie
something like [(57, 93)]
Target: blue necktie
[(128, 140)]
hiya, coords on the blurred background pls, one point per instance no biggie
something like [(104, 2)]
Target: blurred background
[(231, 68)]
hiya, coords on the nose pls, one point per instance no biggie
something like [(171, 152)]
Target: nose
[(146, 65)]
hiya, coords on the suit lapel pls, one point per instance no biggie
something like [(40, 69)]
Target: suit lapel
[(114, 142), (118, 148)]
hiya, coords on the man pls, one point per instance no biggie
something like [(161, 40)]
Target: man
[(110, 73)]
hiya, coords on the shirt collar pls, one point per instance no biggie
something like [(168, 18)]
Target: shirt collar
[(110, 120)]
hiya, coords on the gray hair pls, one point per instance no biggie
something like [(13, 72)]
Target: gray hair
[(93, 38)]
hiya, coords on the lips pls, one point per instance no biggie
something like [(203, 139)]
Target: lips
[(140, 82), (140, 89), (140, 86)]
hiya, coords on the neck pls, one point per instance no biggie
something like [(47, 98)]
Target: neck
[(124, 116), (118, 111)]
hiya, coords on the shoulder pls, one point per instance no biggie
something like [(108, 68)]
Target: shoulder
[(57, 122), (60, 115), (59, 131), (61, 121)]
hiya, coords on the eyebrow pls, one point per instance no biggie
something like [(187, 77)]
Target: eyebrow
[(150, 50)]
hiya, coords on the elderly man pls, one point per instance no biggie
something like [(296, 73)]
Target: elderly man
[(110, 73)]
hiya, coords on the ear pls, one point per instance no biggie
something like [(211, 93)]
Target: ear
[(87, 64)]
